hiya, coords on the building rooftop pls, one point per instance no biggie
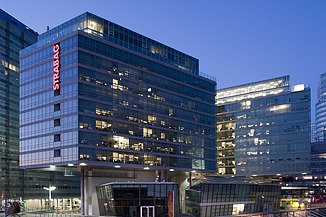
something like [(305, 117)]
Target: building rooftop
[(253, 90), (121, 36), (138, 183), (4, 15)]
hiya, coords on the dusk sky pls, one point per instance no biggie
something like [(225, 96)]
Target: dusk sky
[(235, 41)]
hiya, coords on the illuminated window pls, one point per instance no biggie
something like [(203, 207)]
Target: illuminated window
[(138, 146), (84, 156), (85, 125), (280, 108), (10, 66), (170, 112), (149, 160), (118, 157), (115, 83), (246, 105), (103, 112), (120, 142), (147, 132), (102, 125), (151, 118), (162, 135), (221, 171), (101, 157), (93, 25), (158, 161)]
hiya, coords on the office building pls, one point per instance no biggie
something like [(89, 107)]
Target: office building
[(14, 37), (229, 199), (97, 95), (263, 128), (321, 109), (313, 137), (318, 160), (18, 184)]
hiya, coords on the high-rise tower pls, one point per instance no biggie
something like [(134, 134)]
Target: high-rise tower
[(263, 128), (320, 122), (14, 37)]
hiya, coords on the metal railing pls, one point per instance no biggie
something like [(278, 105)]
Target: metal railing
[(315, 212), (208, 76)]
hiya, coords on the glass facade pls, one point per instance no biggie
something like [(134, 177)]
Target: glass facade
[(124, 100), (263, 128), (14, 37), (226, 199), (318, 160), (16, 183), (321, 110), (138, 199)]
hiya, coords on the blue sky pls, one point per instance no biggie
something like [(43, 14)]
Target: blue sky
[(236, 41)]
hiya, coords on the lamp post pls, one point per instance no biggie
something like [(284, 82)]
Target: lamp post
[(50, 189), (263, 202)]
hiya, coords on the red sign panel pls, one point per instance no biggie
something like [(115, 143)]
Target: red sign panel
[(56, 66), (171, 203)]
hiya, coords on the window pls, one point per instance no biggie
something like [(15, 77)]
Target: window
[(57, 153), (162, 135), (147, 132), (57, 122), (151, 118), (57, 107), (57, 138), (57, 92)]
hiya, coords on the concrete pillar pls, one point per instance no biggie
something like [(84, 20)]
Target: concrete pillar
[(70, 203), (181, 178), (82, 190)]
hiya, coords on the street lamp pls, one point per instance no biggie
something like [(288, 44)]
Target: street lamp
[(50, 189), (263, 202)]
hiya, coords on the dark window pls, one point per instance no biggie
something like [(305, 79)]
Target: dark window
[(57, 107), (57, 153), (57, 92), (57, 122), (57, 137)]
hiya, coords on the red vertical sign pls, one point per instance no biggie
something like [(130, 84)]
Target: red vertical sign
[(171, 203), (56, 66)]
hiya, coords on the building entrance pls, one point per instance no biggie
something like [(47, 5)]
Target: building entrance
[(147, 211)]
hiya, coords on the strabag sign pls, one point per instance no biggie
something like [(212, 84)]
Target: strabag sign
[(56, 66)]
